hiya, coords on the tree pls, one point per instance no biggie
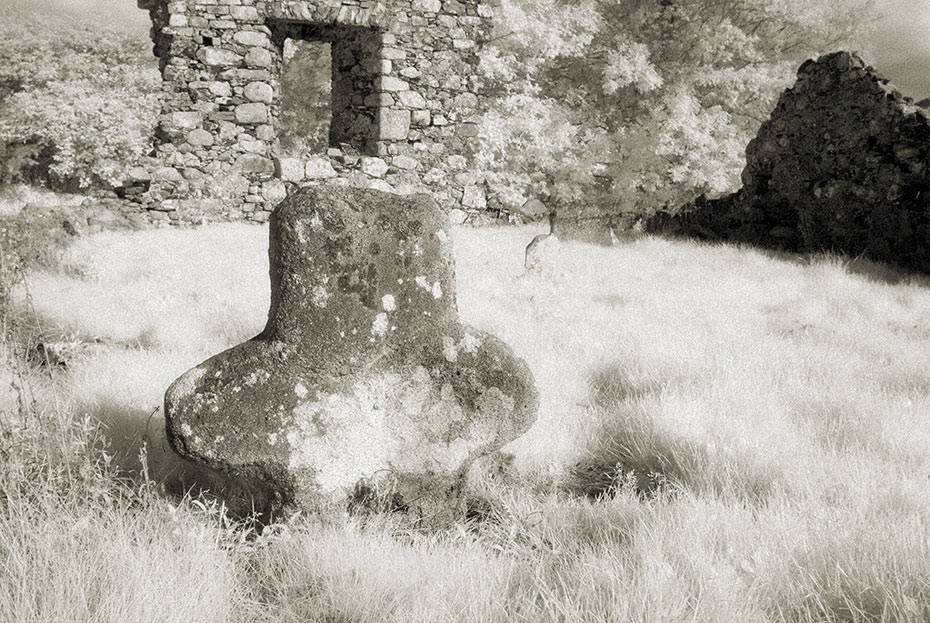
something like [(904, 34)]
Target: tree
[(652, 101)]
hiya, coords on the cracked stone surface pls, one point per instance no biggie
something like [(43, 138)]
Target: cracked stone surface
[(363, 379)]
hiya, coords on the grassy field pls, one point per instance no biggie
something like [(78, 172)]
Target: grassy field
[(724, 435)]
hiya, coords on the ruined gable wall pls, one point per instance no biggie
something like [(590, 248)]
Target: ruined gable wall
[(221, 62), (842, 164)]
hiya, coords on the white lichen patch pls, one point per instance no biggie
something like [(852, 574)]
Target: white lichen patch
[(442, 236), (380, 325), (388, 303), (186, 429), (385, 422), (417, 249), (272, 439), (316, 222), (470, 344), (319, 296), (435, 289), (301, 390), (449, 350), (255, 377)]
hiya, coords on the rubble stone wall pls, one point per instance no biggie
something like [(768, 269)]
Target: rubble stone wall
[(842, 164), (404, 100)]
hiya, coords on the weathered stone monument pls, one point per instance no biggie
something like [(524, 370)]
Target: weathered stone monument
[(262, 96), (842, 164), (364, 379)]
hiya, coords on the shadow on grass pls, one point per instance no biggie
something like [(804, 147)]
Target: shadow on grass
[(141, 452), (871, 270), (628, 448), (631, 448)]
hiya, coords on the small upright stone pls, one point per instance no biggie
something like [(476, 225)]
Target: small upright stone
[(364, 378), (542, 255)]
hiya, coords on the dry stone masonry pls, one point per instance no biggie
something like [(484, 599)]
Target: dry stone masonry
[(842, 164), (265, 95), (363, 379)]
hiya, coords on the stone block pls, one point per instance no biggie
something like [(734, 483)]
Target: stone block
[(364, 378), (220, 88), (259, 92), (186, 120), (265, 132), (457, 162), (253, 146), (375, 167), (243, 13), (420, 118), (405, 162), (393, 125), (254, 163), (254, 112), (291, 169), (411, 99), (230, 186), (392, 84), (252, 38), (375, 100), (319, 167), (218, 57), (259, 58), (166, 174), (200, 138), (274, 191), (457, 217), (138, 174), (466, 101), (393, 54), (474, 198), (429, 6)]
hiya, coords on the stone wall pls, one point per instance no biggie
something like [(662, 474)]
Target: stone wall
[(842, 164), (404, 97)]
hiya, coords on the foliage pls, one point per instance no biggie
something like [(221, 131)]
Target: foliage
[(81, 100), (653, 101)]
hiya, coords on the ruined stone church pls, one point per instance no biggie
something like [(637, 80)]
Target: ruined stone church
[(264, 96)]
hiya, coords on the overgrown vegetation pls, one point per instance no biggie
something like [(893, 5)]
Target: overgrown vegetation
[(78, 99), (724, 436), (650, 103)]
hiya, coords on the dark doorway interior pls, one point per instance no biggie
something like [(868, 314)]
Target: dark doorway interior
[(327, 87)]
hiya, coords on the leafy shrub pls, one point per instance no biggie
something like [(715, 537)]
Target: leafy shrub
[(651, 101), (81, 101)]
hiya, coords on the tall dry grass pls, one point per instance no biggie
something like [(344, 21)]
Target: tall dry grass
[(724, 435)]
